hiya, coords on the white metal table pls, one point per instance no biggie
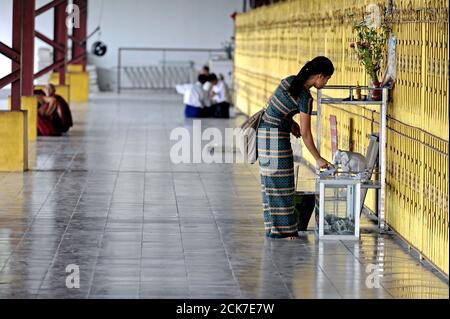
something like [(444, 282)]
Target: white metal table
[(381, 184)]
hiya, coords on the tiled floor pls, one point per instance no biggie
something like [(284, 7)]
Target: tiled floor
[(108, 199)]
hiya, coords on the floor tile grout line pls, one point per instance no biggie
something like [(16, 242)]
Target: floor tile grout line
[(108, 213), (194, 171), (48, 157), (63, 235), (267, 241), (181, 237), (143, 215), (221, 238), (32, 222), (172, 175), (100, 244), (358, 259), (332, 283)]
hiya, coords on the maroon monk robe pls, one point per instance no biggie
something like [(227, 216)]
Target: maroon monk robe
[(49, 123), (64, 114)]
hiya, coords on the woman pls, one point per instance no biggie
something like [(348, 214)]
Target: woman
[(274, 147)]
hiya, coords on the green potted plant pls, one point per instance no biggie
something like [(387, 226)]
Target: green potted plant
[(370, 47)]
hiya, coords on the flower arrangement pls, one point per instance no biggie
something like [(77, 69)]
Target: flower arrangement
[(370, 48), (371, 40)]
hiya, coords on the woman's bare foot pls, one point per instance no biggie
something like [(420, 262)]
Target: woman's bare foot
[(292, 237)]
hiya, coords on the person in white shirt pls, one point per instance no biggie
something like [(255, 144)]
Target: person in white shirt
[(205, 70), (195, 98), (220, 98), (207, 85)]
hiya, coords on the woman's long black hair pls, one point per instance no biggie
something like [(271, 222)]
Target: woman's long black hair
[(319, 65)]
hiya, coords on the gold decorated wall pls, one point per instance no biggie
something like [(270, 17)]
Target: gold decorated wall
[(273, 42)]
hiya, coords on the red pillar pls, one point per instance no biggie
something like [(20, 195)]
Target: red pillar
[(16, 45), (27, 61), (80, 34), (60, 36)]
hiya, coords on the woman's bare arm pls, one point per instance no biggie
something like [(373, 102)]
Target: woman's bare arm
[(305, 129)]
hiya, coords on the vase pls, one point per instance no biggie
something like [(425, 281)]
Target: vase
[(375, 95)]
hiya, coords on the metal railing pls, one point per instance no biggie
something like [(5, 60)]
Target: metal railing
[(166, 73)]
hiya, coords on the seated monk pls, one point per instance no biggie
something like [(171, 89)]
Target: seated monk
[(63, 108), (49, 122), (54, 116)]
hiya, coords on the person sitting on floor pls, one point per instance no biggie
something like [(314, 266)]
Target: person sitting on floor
[(207, 86), (54, 115), (48, 121), (220, 98), (205, 70), (195, 98)]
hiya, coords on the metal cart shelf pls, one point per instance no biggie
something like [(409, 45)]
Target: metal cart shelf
[(381, 184)]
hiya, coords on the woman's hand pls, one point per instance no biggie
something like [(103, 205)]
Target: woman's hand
[(295, 129), (323, 163)]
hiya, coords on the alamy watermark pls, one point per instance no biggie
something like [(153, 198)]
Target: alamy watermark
[(222, 146), (373, 277), (73, 16), (73, 279)]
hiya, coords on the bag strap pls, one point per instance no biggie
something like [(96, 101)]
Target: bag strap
[(263, 111)]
